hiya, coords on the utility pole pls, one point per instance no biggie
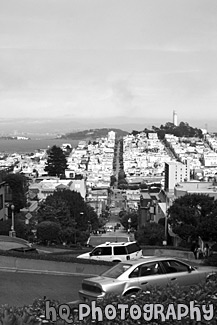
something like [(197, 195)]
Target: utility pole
[(12, 233), (166, 225)]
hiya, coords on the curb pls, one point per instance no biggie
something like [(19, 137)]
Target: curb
[(15, 270)]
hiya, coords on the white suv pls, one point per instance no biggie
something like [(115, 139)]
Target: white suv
[(114, 252)]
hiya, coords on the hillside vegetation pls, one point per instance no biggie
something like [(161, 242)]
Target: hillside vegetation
[(93, 134)]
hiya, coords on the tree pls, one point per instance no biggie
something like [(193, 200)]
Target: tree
[(133, 216), (56, 162), (48, 231), (55, 209), (67, 235), (90, 216), (194, 215), (123, 186), (122, 181), (19, 226), (67, 208), (207, 229), (113, 180), (182, 130), (170, 126), (134, 132), (144, 186), (121, 175), (18, 186), (150, 234)]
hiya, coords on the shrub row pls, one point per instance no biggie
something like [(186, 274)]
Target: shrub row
[(202, 297), (165, 247), (65, 256), (55, 257), (211, 260)]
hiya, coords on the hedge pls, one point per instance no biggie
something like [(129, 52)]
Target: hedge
[(197, 296), (55, 257), (211, 260), (175, 295), (165, 247), (65, 256)]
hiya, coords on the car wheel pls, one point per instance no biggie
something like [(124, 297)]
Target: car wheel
[(212, 277), (131, 293)]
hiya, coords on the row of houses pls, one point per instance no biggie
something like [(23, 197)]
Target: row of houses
[(176, 173), (200, 154), (90, 166), (144, 156)]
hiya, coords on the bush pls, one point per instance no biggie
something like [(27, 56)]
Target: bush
[(20, 227), (198, 296), (26, 315), (150, 234), (211, 260), (48, 231), (58, 257), (175, 248)]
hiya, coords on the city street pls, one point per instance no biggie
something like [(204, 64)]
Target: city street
[(19, 289)]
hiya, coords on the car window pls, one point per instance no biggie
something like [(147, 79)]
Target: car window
[(117, 270), (101, 251), (120, 250), (134, 273), (152, 268), (97, 251), (146, 269), (132, 248), (106, 250), (172, 266)]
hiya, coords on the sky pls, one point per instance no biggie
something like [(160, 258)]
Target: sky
[(108, 59)]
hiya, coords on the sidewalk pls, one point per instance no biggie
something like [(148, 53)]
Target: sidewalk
[(50, 249)]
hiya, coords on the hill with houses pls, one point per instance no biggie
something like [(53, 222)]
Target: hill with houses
[(93, 134)]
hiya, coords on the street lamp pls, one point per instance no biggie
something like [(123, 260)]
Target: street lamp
[(129, 224), (89, 226), (166, 225), (12, 233), (165, 230)]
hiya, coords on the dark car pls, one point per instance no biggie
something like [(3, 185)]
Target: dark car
[(24, 250), (102, 230), (17, 244)]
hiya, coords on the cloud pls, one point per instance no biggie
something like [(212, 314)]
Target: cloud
[(123, 96)]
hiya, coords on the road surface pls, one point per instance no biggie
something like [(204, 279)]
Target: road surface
[(19, 289)]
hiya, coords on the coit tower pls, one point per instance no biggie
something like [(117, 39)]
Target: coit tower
[(175, 120)]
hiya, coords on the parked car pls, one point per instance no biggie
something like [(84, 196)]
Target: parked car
[(95, 240), (99, 231), (129, 277), (114, 252), (8, 243), (25, 250), (109, 228), (102, 230)]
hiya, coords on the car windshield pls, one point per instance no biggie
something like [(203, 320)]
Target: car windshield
[(132, 248), (117, 270)]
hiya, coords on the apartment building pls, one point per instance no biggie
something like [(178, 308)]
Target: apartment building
[(47, 187), (195, 187), (176, 172)]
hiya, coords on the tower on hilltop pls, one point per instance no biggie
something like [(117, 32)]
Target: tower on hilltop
[(175, 119)]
